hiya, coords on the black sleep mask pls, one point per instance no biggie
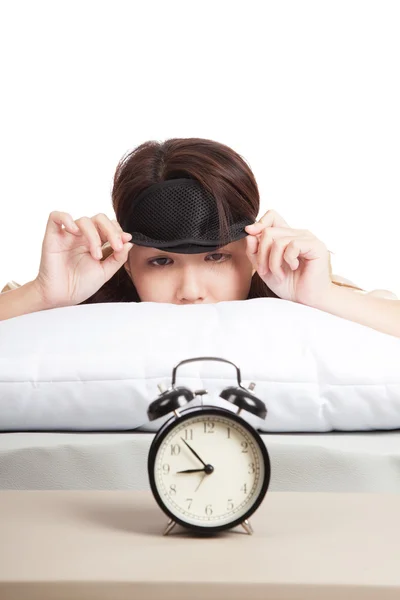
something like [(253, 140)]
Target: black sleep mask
[(179, 215)]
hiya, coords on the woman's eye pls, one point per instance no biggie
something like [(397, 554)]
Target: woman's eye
[(154, 262), (218, 254)]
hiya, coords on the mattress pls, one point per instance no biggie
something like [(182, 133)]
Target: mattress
[(302, 462)]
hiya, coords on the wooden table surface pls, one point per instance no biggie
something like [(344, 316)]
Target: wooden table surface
[(109, 545)]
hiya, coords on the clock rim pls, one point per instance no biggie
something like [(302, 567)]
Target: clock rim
[(184, 415)]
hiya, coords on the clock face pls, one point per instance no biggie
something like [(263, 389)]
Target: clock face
[(210, 470)]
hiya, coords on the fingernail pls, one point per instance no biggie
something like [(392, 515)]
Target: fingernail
[(99, 253)]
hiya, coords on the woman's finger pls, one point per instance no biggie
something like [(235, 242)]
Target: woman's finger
[(273, 219), (251, 249), (276, 256), (270, 219), (291, 255), (92, 235), (111, 232), (57, 220), (124, 234), (115, 261), (266, 240), (258, 228), (267, 237), (118, 226)]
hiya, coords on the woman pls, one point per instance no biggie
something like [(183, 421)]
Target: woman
[(92, 259)]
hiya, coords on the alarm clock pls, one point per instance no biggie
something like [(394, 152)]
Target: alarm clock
[(208, 468)]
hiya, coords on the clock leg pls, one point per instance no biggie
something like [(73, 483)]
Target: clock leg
[(247, 527), (170, 526)]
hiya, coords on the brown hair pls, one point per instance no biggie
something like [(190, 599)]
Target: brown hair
[(221, 170)]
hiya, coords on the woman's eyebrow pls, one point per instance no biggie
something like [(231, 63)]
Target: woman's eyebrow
[(147, 251), (150, 252)]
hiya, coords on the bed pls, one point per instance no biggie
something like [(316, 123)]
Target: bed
[(303, 462), (75, 384)]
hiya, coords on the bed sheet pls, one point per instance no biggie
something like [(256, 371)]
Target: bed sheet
[(303, 462)]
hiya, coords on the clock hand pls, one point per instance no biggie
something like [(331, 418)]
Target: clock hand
[(208, 469), (201, 481), (195, 453), (192, 471)]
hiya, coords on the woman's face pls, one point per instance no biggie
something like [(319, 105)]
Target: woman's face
[(217, 276)]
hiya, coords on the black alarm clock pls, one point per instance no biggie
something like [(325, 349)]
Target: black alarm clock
[(208, 468)]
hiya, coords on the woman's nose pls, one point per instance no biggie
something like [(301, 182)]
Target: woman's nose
[(190, 287)]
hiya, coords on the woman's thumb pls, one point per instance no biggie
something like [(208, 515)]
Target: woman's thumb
[(252, 249), (116, 260)]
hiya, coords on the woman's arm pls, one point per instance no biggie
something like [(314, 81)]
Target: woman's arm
[(380, 313), (377, 293), (20, 301)]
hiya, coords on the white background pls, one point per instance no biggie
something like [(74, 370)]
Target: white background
[(308, 92)]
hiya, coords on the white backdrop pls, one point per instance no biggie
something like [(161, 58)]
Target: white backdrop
[(308, 92)]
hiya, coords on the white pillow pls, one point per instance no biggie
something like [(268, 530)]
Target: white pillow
[(96, 367)]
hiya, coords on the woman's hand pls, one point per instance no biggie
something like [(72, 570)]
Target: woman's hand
[(292, 262), (71, 269)]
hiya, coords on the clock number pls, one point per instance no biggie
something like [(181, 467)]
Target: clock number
[(229, 432), (244, 488), (175, 449), (172, 488), (244, 446), (230, 504), (188, 434), (252, 468), (190, 500), (165, 469), (209, 427), (209, 510)]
